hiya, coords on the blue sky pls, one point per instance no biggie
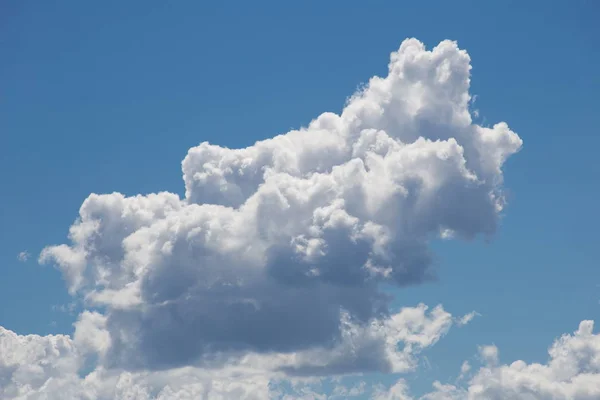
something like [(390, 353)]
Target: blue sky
[(102, 97)]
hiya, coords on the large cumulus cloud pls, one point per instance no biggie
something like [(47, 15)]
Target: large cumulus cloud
[(274, 259), (275, 243)]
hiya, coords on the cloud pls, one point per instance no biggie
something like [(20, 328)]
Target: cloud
[(375, 346), (572, 372), (273, 260), (275, 244), (489, 354), (344, 392), (23, 256), (464, 370), (398, 391), (465, 319), (35, 366), (34, 360)]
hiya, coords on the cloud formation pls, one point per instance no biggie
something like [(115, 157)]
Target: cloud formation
[(571, 373), (272, 262), (45, 367), (276, 244), (53, 366)]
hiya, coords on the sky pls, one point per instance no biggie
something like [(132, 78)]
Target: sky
[(385, 238)]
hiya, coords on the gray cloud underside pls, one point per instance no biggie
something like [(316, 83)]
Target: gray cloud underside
[(45, 367)]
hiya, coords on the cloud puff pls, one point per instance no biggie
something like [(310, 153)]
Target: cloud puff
[(52, 367), (571, 373), (277, 245), (489, 354), (34, 360), (23, 256), (465, 319), (398, 391)]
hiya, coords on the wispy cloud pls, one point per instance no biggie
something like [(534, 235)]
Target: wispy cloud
[(23, 256)]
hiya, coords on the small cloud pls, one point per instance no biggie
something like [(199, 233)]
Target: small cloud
[(489, 354), (465, 319), (23, 256), (474, 111), (465, 367), (447, 234), (427, 363), (464, 370), (345, 392)]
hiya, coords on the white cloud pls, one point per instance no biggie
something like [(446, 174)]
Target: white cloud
[(276, 243), (465, 368), (33, 367), (398, 391), (23, 256), (445, 392), (344, 392), (68, 308), (34, 361), (572, 372), (489, 354), (271, 264), (465, 319)]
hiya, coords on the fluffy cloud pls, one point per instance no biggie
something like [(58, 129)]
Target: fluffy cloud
[(571, 373), (23, 256), (274, 246), (398, 391), (274, 259), (34, 361), (41, 367)]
